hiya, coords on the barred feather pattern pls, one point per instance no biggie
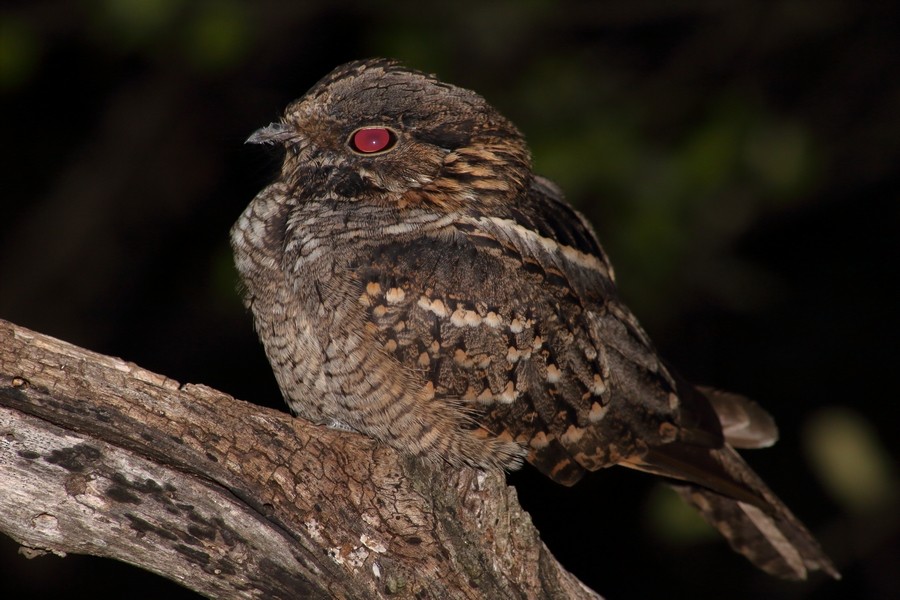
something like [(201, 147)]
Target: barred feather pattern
[(440, 297)]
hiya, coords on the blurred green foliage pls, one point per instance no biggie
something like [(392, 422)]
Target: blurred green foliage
[(671, 520), (207, 35), (851, 461), (20, 50), (218, 35), (132, 24)]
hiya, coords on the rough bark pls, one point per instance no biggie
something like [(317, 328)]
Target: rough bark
[(99, 456)]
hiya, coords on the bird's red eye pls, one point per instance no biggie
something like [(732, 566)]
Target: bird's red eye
[(372, 139)]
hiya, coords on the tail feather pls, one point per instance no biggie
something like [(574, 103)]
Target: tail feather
[(776, 543), (745, 424), (706, 470), (734, 500)]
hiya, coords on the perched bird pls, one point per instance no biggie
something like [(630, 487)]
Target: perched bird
[(412, 279)]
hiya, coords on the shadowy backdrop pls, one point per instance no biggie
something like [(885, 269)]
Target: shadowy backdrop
[(738, 159)]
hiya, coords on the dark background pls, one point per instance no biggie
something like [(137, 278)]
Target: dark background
[(738, 159)]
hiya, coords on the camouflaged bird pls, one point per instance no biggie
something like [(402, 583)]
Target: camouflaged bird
[(412, 279)]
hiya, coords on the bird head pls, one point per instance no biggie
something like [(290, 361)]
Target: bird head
[(376, 131)]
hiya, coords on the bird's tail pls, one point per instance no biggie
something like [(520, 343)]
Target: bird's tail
[(711, 476), (763, 529)]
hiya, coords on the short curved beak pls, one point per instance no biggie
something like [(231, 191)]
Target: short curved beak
[(274, 133)]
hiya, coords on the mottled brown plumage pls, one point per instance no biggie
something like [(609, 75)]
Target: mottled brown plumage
[(440, 297)]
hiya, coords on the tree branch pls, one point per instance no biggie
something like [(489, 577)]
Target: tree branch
[(99, 456)]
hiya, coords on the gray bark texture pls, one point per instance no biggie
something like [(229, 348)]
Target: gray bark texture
[(99, 456)]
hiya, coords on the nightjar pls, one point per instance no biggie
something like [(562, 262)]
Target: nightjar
[(412, 279)]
